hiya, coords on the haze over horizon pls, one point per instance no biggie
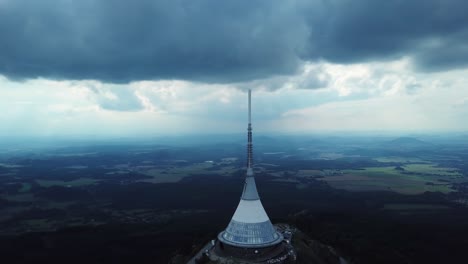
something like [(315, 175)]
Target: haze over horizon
[(131, 68)]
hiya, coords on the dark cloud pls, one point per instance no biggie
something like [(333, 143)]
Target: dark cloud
[(443, 54), (121, 41), (354, 31), (221, 41)]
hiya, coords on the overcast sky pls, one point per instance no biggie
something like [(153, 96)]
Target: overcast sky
[(146, 67)]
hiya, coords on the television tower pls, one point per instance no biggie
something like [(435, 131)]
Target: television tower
[(251, 238), (250, 234)]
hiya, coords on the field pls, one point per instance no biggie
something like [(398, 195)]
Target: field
[(401, 159), (175, 173), (73, 183), (408, 179)]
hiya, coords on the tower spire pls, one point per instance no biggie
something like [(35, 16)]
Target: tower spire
[(249, 135), (250, 106), (250, 188)]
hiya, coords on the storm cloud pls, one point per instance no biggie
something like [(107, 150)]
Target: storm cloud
[(121, 41), (356, 31)]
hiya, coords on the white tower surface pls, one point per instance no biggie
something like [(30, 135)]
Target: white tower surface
[(250, 226)]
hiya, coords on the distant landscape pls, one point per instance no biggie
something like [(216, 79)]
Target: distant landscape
[(376, 199)]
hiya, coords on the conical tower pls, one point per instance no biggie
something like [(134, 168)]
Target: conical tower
[(250, 226)]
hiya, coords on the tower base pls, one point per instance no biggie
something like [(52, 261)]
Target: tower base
[(296, 247), (278, 253), (217, 252)]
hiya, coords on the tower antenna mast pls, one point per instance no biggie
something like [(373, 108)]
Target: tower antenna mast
[(249, 135)]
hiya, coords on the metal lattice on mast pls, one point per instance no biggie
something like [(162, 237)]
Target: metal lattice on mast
[(249, 134)]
